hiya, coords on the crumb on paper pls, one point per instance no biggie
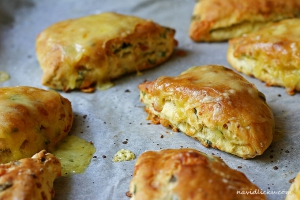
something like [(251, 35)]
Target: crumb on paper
[(128, 194), (292, 180), (4, 76), (123, 155)]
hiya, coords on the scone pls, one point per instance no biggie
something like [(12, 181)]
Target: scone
[(218, 20), (91, 51), (294, 190), (188, 174), (31, 120), (29, 178), (270, 54), (214, 105)]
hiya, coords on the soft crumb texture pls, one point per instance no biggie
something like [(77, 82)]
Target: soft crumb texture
[(183, 174), (90, 51), (214, 105), (29, 178), (217, 20), (31, 120), (123, 155), (270, 54)]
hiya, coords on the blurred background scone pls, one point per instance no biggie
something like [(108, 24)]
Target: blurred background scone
[(91, 51), (188, 174), (30, 178), (218, 20), (31, 120), (214, 105), (270, 54)]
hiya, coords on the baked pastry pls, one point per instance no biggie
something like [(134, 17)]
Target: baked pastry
[(214, 105), (294, 190), (218, 20), (31, 120), (188, 174), (93, 50), (270, 54), (29, 178)]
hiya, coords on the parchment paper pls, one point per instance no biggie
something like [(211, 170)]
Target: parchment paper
[(115, 117)]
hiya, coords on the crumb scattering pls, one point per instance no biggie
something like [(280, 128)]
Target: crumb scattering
[(123, 155)]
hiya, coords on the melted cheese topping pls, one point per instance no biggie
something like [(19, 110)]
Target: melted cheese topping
[(93, 27), (215, 78), (92, 50), (76, 39), (75, 155)]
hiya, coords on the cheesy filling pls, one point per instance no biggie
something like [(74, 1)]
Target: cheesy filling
[(236, 30), (186, 120), (270, 72)]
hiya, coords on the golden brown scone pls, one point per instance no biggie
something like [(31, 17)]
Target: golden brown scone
[(29, 178), (270, 54), (31, 120), (188, 174), (294, 191), (85, 52), (214, 105), (218, 20)]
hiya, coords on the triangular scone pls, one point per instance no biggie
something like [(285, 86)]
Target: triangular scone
[(29, 178), (214, 105), (217, 20), (270, 54), (188, 174), (93, 50)]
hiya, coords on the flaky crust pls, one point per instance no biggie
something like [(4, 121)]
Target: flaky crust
[(31, 120), (214, 105), (187, 174), (270, 54), (29, 178), (90, 51), (217, 20)]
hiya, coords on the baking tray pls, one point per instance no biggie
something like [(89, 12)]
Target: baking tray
[(115, 119)]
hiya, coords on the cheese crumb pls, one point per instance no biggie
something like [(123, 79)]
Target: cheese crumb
[(123, 155)]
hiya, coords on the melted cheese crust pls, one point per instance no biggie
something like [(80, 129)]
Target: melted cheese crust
[(187, 174), (214, 105), (29, 178), (92, 50), (270, 54), (31, 120), (217, 20)]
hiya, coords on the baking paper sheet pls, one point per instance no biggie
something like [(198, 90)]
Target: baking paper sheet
[(115, 118)]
